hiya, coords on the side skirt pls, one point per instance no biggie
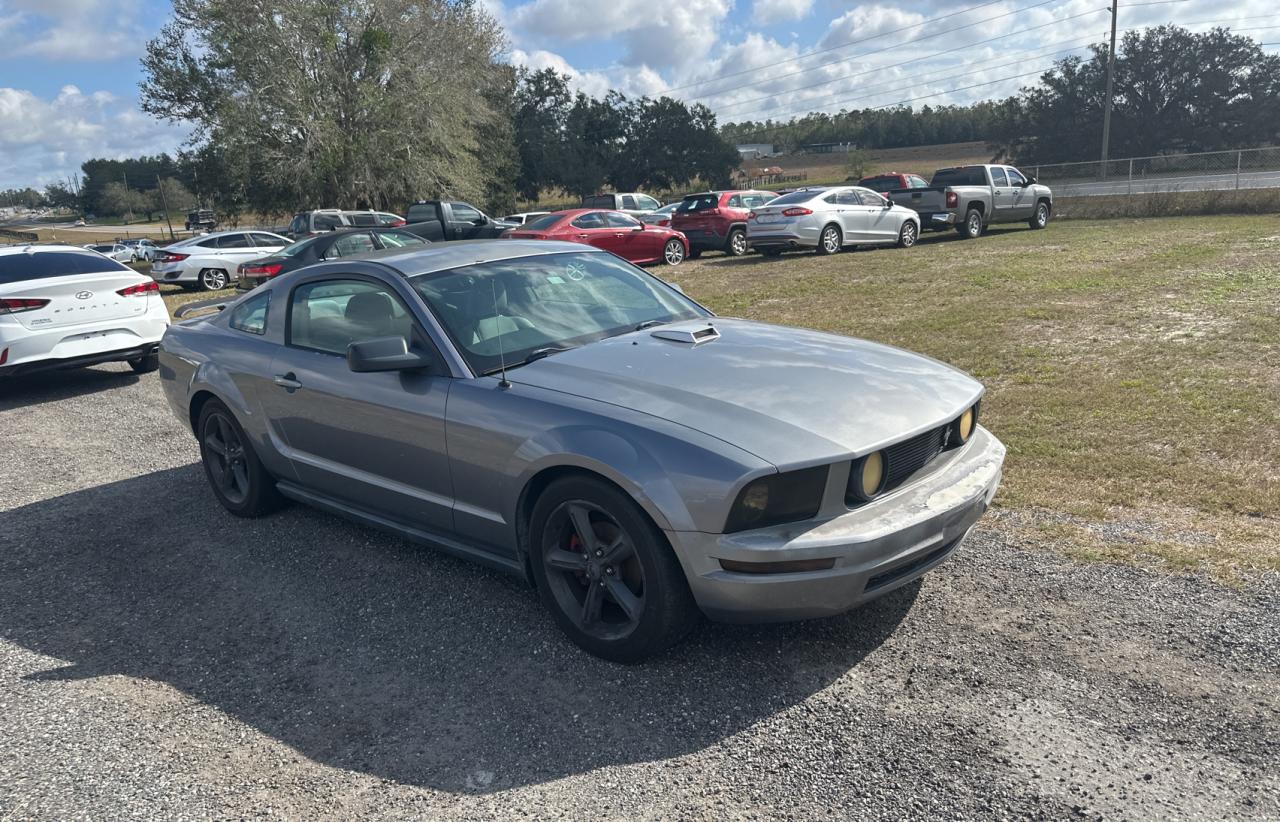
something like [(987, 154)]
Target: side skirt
[(409, 532)]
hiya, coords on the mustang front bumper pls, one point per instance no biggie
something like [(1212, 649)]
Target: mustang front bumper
[(876, 548)]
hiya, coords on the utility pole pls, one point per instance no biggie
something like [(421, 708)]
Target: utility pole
[(164, 201), (1111, 78), (129, 218)]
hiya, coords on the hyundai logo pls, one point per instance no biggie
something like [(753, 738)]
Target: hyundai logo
[(83, 295)]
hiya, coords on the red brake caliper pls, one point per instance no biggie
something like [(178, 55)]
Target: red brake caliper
[(575, 547)]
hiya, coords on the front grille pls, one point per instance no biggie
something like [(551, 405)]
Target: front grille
[(909, 456), (903, 459), (889, 577)]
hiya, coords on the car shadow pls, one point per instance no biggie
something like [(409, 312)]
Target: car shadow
[(367, 653), (53, 386)]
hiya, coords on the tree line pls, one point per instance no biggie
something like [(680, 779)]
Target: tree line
[(1175, 91)]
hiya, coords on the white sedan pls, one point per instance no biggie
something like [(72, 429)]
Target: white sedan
[(119, 252), (209, 262), (829, 219), (65, 307)]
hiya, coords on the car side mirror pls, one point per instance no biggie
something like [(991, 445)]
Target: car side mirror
[(384, 354), (481, 220), (639, 227), (887, 203), (1030, 181)]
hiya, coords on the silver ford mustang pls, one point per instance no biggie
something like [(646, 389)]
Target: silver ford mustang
[(554, 411)]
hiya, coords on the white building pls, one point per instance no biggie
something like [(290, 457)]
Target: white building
[(754, 151)]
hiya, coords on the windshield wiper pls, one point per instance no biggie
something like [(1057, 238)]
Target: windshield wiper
[(533, 356), (650, 324)]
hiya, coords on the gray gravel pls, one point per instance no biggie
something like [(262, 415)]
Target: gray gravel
[(162, 659)]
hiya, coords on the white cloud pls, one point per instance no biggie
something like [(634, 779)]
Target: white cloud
[(866, 22), (780, 11), (43, 140), (633, 81), (670, 34), (73, 30)]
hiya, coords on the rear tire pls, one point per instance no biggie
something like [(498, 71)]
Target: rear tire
[(830, 240), (736, 245), (618, 593), (972, 227), (237, 476), (145, 365), (1040, 218), (213, 279)]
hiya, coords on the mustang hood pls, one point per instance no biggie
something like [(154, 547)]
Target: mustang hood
[(787, 395)]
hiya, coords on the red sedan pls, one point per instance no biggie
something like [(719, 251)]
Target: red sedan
[(614, 231)]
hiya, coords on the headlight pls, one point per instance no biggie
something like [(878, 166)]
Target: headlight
[(867, 476), (963, 427), (778, 498)]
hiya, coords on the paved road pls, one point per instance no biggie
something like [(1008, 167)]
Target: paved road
[(162, 659), (1202, 182)]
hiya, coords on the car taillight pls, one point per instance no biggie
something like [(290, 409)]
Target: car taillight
[(398, 223), (13, 305), (953, 199), (268, 270), (171, 257), (140, 290), (797, 212)]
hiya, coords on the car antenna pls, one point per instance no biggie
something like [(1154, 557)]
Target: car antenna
[(502, 357)]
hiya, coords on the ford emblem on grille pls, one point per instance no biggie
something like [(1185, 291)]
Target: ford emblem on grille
[(83, 295)]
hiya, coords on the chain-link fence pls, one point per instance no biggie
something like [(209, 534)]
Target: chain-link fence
[(1205, 171)]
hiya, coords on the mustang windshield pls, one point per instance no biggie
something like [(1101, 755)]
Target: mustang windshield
[(514, 308)]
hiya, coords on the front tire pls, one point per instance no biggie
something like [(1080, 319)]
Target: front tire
[(971, 228), (908, 234), (606, 572), (736, 245), (830, 241), (673, 252), (1040, 218), (237, 476)]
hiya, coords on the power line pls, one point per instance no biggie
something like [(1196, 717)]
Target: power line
[(904, 62), (834, 47), (894, 46)]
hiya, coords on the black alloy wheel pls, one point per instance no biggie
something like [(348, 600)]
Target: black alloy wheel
[(605, 571), (239, 480)]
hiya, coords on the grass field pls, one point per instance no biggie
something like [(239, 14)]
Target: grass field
[(1132, 367)]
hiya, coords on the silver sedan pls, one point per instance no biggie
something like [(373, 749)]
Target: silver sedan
[(829, 219), (553, 411)]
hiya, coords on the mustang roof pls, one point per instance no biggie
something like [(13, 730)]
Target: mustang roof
[(415, 260)]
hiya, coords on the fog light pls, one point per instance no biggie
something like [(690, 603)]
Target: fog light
[(872, 474), (963, 427)]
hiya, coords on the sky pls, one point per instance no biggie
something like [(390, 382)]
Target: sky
[(69, 69)]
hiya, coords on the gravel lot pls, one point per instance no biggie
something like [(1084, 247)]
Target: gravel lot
[(160, 658)]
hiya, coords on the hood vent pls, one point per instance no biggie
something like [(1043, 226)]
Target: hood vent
[(693, 336)]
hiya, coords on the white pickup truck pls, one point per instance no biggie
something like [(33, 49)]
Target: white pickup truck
[(970, 198)]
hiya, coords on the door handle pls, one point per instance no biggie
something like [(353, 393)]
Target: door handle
[(583, 236), (289, 381)]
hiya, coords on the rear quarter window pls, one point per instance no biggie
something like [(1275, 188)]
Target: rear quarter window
[(250, 316), (20, 267)]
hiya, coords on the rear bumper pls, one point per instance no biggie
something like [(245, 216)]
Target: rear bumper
[(937, 219), (80, 345), (178, 274), (876, 548), (119, 355), (704, 239)]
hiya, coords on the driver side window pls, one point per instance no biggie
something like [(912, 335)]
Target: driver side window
[(329, 315), (1015, 178)]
